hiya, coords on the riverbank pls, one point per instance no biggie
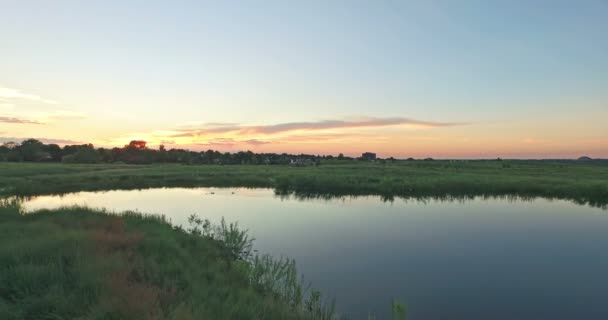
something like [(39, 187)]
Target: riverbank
[(584, 183), (87, 264)]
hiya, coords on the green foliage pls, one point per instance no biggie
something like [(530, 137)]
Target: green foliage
[(77, 263), (85, 154), (276, 278), (583, 183), (317, 309), (137, 152), (237, 241), (398, 310), (31, 150)]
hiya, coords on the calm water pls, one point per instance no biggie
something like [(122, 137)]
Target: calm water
[(478, 259)]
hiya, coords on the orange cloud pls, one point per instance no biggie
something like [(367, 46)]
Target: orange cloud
[(44, 140), (366, 122), (290, 136)]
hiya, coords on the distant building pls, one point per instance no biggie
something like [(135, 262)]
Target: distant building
[(369, 156)]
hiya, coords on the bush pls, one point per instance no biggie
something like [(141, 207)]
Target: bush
[(84, 155)]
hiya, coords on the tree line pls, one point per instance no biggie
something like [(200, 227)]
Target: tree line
[(137, 152)]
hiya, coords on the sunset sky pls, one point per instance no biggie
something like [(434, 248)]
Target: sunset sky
[(443, 79)]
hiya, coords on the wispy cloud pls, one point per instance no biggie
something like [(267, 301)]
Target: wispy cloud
[(365, 122), (207, 124), (218, 143), (9, 93), (43, 118), (44, 140), (255, 142), (18, 120), (229, 142), (321, 137), (11, 99), (243, 136)]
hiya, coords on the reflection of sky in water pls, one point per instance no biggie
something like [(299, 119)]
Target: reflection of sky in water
[(492, 259)]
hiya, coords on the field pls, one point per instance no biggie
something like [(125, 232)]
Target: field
[(585, 183), (81, 263)]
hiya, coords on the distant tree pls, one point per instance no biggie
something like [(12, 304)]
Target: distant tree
[(105, 155), (136, 152), (9, 152), (10, 145), (137, 144), (162, 153), (54, 151), (85, 154), (69, 149), (3, 153), (31, 150), (14, 156)]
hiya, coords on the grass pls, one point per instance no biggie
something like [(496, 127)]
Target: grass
[(78, 263), (585, 183)]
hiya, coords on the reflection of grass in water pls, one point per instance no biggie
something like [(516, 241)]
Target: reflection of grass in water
[(581, 182), (511, 198), (398, 311)]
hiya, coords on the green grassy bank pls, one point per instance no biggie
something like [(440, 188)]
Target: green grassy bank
[(78, 263), (580, 182)]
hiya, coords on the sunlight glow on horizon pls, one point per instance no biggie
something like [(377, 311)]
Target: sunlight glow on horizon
[(405, 79)]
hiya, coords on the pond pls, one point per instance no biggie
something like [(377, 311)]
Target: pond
[(479, 258)]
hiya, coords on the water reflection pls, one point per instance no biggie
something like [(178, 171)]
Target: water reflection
[(72, 199), (450, 257)]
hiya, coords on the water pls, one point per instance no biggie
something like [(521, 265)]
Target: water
[(474, 259)]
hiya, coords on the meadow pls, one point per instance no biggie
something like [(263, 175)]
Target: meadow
[(90, 264), (579, 181)]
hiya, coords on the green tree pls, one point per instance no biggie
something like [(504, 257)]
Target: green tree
[(85, 154), (31, 150)]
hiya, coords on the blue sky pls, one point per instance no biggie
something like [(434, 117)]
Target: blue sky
[(121, 69)]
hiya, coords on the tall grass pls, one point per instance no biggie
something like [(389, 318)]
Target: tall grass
[(78, 263), (585, 183), (272, 277), (237, 241)]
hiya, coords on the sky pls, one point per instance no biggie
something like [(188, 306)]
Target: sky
[(442, 79)]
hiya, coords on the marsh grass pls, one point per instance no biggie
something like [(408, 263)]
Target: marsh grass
[(584, 183), (78, 263), (275, 278), (236, 240)]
